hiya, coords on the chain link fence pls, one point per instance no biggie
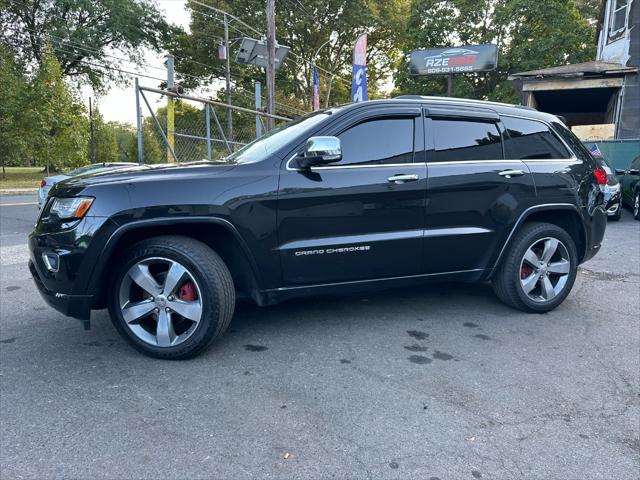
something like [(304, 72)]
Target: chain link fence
[(201, 128)]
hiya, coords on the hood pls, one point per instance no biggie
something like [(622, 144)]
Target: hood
[(140, 173)]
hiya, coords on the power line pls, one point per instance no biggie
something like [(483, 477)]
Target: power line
[(291, 52)]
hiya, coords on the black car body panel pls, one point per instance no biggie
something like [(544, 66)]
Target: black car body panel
[(630, 182), (333, 228)]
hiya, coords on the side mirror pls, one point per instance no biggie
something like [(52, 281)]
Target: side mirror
[(320, 151)]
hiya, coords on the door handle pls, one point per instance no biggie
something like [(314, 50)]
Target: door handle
[(511, 173), (403, 178)]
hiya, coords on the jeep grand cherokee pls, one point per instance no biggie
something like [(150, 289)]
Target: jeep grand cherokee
[(362, 196)]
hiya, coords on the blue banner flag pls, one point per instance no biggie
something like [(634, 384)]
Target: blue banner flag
[(315, 99), (359, 84)]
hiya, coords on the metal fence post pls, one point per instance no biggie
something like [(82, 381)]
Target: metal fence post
[(139, 123), (258, 90), (207, 119)]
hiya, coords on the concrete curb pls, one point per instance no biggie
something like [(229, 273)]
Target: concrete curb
[(18, 191)]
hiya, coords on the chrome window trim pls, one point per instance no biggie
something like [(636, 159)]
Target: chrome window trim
[(469, 162), (572, 158)]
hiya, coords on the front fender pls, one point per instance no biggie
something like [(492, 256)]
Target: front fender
[(111, 244)]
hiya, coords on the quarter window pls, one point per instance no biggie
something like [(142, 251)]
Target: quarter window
[(379, 141), (458, 140), (531, 140)]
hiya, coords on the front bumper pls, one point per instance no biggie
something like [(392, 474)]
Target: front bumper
[(78, 248), (77, 306)]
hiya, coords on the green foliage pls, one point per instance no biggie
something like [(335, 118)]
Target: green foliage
[(105, 143), (57, 118), (41, 121), (530, 35), (304, 29), (14, 140), (83, 32)]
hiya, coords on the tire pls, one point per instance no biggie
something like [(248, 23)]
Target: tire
[(636, 205), (182, 321), (549, 282)]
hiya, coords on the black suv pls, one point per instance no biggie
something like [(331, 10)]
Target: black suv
[(361, 196)]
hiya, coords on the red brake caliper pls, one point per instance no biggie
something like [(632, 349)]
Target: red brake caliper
[(187, 292), (525, 271)]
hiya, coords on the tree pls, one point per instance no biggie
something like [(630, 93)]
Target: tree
[(59, 129), (82, 33), (529, 35), (304, 27), (126, 140), (14, 143), (105, 144)]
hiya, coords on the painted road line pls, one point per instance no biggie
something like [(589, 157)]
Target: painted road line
[(17, 204)]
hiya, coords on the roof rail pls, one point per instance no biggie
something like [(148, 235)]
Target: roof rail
[(455, 99)]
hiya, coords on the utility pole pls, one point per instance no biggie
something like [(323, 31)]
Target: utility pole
[(170, 110), (228, 75), (450, 85), (92, 148), (271, 61)]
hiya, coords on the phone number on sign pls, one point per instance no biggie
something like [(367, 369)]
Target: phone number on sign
[(463, 68)]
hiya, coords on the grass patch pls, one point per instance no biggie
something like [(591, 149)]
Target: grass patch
[(21, 177)]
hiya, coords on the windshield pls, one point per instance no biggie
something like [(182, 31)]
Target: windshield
[(275, 139)]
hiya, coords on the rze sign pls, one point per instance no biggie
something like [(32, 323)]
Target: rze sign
[(471, 58)]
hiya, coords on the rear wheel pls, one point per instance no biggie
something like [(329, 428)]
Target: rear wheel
[(538, 270), (636, 205), (171, 297)]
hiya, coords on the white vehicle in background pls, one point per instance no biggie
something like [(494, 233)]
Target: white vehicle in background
[(48, 182)]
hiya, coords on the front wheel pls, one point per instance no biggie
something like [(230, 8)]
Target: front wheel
[(636, 205), (171, 297), (538, 270)]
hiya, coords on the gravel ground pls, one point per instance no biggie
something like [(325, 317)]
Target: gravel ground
[(430, 382)]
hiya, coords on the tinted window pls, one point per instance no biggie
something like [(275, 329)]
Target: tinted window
[(388, 140), (529, 140), (460, 140)]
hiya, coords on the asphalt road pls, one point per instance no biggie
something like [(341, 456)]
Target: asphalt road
[(431, 382)]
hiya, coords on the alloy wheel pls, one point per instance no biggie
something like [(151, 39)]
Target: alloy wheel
[(160, 301), (544, 269), (636, 205)]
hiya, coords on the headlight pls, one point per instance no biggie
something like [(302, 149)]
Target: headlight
[(70, 208)]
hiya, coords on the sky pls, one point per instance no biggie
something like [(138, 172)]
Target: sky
[(119, 102)]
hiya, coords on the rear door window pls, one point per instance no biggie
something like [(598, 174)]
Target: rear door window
[(531, 140), (465, 140)]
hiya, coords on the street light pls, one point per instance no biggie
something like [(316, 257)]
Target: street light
[(333, 38)]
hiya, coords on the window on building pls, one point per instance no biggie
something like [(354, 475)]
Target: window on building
[(461, 140), (379, 141), (531, 140), (618, 18)]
